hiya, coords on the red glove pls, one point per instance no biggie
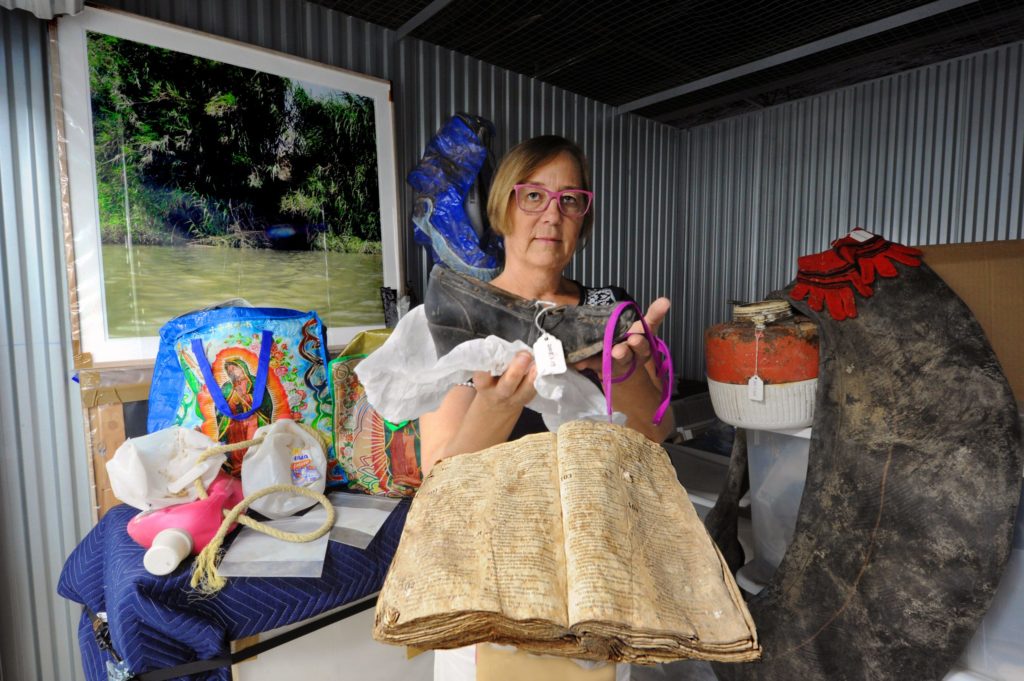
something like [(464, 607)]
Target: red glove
[(874, 254), (826, 279)]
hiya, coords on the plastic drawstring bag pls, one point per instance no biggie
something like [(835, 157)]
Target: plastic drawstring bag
[(289, 455), (157, 470)]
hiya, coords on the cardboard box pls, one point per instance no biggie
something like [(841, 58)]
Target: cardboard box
[(104, 394), (989, 277)]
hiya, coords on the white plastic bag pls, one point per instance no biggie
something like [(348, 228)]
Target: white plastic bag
[(157, 470), (405, 378), (288, 455)]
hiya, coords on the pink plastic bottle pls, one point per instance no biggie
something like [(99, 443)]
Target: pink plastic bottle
[(173, 533)]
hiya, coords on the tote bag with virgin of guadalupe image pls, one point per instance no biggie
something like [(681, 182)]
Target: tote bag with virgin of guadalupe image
[(379, 457), (230, 370)]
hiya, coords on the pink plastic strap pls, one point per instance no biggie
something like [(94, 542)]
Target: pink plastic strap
[(659, 352)]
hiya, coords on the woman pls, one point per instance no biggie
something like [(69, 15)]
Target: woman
[(541, 203)]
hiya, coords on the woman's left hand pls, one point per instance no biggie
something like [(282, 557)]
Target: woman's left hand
[(635, 347), (639, 396)]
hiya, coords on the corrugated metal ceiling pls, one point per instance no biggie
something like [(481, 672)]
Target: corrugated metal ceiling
[(621, 52)]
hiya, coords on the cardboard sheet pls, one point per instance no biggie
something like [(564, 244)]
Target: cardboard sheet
[(989, 277)]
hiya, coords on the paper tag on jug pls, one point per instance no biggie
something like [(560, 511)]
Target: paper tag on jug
[(549, 356), (755, 389)]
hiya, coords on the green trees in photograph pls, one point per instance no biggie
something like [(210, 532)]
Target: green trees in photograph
[(332, 178), (193, 150)]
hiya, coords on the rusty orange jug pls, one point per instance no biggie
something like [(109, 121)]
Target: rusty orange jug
[(762, 367)]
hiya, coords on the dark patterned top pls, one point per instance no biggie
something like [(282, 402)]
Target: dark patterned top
[(609, 295), (531, 421)]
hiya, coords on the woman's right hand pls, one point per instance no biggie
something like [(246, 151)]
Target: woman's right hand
[(512, 390), (471, 419)]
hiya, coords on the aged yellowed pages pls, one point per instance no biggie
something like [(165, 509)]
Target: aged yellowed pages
[(584, 545), (640, 565), (596, 519), (482, 542)]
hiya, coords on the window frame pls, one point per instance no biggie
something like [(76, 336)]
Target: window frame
[(75, 135)]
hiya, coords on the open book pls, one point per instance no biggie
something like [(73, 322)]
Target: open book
[(580, 543)]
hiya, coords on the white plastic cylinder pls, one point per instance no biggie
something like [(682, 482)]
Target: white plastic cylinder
[(777, 463), (170, 547)]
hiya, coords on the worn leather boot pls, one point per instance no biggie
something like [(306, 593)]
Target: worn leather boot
[(460, 308)]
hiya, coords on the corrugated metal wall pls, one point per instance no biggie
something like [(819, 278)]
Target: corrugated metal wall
[(708, 214), (929, 156), (44, 483)]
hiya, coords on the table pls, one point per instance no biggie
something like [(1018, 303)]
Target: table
[(158, 622)]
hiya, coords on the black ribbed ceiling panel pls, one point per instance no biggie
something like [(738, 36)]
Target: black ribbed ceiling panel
[(387, 13), (619, 52), (961, 31), (616, 52)]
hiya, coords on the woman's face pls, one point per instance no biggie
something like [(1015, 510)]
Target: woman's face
[(546, 239)]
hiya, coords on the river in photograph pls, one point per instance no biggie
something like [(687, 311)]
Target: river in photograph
[(147, 285)]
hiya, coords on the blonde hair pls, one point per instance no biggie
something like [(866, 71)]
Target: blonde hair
[(519, 163)]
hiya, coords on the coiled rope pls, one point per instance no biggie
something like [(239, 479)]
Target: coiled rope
[(205, 577)]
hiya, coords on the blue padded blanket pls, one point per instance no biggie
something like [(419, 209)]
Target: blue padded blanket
[(158, 622)]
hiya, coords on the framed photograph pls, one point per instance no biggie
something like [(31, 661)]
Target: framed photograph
[(202, 170)]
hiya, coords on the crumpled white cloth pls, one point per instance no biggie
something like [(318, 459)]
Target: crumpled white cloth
[(157, 470), (404, 378)]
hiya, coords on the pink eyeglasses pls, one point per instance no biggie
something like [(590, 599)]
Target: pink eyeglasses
[(572, 203)]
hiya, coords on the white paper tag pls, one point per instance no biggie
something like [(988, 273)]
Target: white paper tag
[(549, 356), (755, 389), (861, 235)]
